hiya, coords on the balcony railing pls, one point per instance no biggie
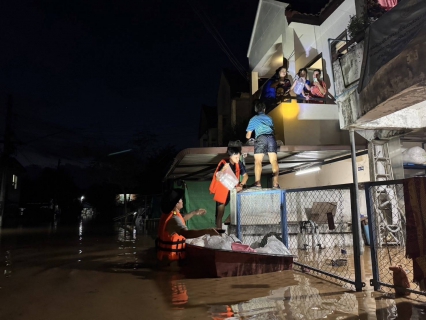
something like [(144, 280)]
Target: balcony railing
[(271, 104)]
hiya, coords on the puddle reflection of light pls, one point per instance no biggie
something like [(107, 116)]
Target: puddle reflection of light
[(80, 228), (8, 269)]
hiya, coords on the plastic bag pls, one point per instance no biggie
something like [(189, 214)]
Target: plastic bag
[(415, 155), (214, 242), (222, 242), (274, 246), (277, 246), (227, 178), (300, 84), (241, 247), (200, 241), (264, 250)]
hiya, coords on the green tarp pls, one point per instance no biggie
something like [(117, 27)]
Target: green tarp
[(197, 196)]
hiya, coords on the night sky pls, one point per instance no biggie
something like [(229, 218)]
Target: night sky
[(86, 75)]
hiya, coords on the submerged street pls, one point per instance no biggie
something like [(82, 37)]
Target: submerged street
[(88, 272)]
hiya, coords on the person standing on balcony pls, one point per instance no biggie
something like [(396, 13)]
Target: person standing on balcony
[(318, 88), (263, 127), (269, 92), (221, 193), (301, 85), (172, 231)]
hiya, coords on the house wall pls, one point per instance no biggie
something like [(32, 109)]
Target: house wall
[(305, 41), (330, 174), (270, 25), (309, 124), (309, 41), (244, 108), (209, 139)]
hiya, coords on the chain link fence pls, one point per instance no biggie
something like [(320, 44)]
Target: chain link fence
[(322, 234), (316, 224), (387, 224), (258, 214)]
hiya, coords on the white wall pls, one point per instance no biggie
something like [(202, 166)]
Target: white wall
[(330, 174), (307, 41), (268, 30), (313, 40)]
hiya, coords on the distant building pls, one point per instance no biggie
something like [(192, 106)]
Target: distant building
[(234, 107), (14, 172), (207, 131)]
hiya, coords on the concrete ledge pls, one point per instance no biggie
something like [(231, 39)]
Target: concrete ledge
[(311, 111)]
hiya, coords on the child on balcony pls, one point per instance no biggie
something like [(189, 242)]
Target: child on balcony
[(301, 85)]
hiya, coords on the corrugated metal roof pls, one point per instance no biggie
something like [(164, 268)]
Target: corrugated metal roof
[(200, 163)]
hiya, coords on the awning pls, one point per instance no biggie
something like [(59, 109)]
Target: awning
[(200, 163)]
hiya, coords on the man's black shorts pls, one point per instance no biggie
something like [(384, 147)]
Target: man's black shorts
[(265, 144)]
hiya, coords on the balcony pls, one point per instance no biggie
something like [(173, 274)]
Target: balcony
[(386, 91), (310, 124)]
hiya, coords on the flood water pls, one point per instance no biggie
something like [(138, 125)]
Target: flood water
[(89, 272)]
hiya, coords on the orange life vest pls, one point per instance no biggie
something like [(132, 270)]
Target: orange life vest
[(224, 315), (219, 190), (170, 247)]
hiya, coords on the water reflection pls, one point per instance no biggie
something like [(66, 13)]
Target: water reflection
[(179, 292), (301, 301), (390, 309), (33, 259), (8, 264), (127, 233)]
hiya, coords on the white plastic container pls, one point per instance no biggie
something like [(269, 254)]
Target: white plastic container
[(227, 178)]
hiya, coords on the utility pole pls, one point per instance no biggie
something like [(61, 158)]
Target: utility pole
[(4, 163)]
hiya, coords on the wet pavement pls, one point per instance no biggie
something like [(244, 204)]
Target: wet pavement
[(83, 272)]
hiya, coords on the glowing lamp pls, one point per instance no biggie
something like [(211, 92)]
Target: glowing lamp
[(290, 110), (308, 170)]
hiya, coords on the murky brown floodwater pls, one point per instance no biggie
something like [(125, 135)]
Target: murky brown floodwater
[(83, 273)]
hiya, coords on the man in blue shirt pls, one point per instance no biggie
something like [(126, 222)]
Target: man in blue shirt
[(265, 142)]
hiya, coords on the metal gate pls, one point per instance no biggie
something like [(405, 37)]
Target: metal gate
[(316, 224)]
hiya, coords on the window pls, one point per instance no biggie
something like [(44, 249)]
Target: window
[(338, 44), (15, 182)]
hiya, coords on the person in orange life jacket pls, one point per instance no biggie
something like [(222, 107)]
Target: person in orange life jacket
[(221, 193), (263, 127), (173, 231)]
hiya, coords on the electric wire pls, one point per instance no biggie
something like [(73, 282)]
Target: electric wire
[(220, 37), (221, 44)]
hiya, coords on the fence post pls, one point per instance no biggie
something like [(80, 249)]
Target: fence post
[(239, 217), (284, 218), (373, 242), (356, 239)]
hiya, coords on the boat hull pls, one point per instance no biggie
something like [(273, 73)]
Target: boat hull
[(212, 263)]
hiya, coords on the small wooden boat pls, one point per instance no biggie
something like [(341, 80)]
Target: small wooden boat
[(201, 262)]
